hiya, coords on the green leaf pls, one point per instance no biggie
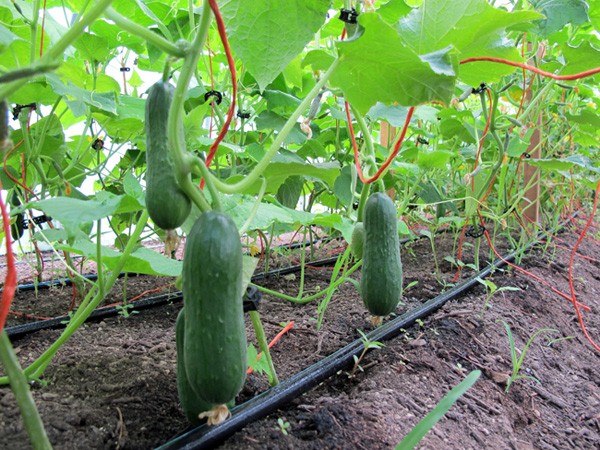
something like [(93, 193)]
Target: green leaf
[(249, 264), (433, 160), (559, 13), (72, 213), (422, 428), (142, 260), (92, 47), (564, 164), (342, 187), (378, 62), (7, 37), (472, 27), (579, 59), (289, 192), (132, 186), (318, 60), (393, 10), (267, 35), (104, 101)]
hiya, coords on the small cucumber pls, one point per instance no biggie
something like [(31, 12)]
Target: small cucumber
[(168, 205), (215, 347), (18, 227), (358, 238), (381, 279)]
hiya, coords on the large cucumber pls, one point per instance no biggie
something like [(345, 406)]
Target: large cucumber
[(168, 205), (215, 347), (381, 279)]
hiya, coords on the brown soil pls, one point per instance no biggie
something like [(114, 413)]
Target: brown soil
[(112, 385)]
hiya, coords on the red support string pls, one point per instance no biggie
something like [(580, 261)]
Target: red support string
[(577, 76), (10, 283), (535, 277), (390, 158), (577, 305), (231, 62)]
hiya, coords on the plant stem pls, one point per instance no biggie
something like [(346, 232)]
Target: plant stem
[(263, 345), (144, 33), (311, 297), (18, 384)]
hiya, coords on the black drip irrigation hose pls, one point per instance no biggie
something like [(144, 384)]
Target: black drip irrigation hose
[(205, 437), (69, 282), (98, 314)]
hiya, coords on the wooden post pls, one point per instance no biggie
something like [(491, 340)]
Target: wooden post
[(531, 206)]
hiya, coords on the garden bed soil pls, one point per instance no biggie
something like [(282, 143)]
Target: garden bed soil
[(113, 386)]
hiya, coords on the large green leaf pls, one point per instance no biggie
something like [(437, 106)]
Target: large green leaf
[(142, 260), (92, 47), (72, 213), (378, 67), (559, 13), (579, 59), (473, 27), (106, 101), (267, 34)]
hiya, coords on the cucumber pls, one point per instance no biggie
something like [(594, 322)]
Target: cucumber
[(357, 244), (168, 205), (215, 347), (381, 279)]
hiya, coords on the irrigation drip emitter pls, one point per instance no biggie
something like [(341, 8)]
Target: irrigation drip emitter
[(205, 437)]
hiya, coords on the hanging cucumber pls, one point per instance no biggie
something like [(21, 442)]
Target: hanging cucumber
[(215, 348), (358, 238), (381, 279), (168, 205)]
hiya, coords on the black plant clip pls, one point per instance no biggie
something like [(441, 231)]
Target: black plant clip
[(125, 69), (218, 96), (252, 299), (482, 88), (348, 15), (17, 109), (243, 115), (525, 155), (422, 141), (475, 233), (98, 144), (41, 219)]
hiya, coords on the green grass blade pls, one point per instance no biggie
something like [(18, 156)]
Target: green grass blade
[(423, 427)]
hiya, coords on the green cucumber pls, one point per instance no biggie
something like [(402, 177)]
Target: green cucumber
[(168, 205), (358, 238), (215, 347), (381, 279)]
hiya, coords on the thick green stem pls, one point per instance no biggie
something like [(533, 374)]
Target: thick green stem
[(145, 34), (314, 296), (264, 346), (18, 384), (181, 158)]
